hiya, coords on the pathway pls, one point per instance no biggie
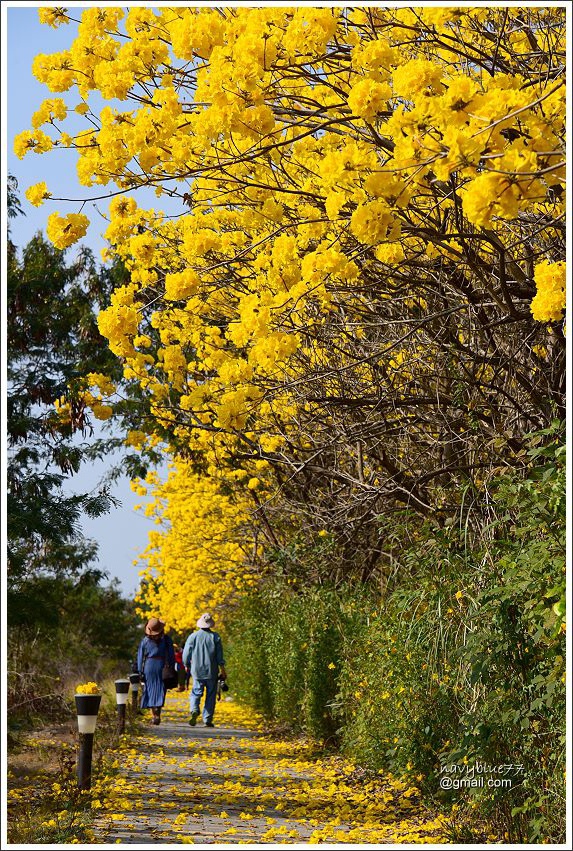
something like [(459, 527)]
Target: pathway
[(233, 784)]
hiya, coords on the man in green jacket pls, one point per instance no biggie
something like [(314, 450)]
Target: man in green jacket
[(203, 651)]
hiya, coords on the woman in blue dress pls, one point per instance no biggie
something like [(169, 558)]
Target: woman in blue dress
[(155, 650)]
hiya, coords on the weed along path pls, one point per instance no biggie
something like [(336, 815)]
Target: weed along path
[(234, 784)]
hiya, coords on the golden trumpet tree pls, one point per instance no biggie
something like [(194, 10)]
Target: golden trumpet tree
[(351, 302), (204, 544)]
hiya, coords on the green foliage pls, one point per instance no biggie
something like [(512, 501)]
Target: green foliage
[(63, 620), (247, 649), (470, 659), (516, 656), (64, 630), (53, 341), (13, 207), (392, 691), (460, 662), (111, 630), (284, 651), (52, 337)]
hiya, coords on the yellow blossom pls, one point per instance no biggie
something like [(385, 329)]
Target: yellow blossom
[(63, 231), (37, 194)]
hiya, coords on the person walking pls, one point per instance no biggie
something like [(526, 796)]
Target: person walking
[(155, 651), (203, 651)]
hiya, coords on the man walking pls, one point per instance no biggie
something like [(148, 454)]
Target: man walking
[(203, 651)]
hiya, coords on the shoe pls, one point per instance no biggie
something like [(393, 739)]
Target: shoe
[(209, 724), (193, 719)]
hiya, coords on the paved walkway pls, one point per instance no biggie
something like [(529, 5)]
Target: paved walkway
[(233, 784)]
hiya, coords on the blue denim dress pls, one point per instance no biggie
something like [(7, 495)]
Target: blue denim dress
[(151, 657)]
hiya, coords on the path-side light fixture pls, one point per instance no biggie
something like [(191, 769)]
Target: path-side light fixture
[(134, 681), (121, 695), (87, 707)]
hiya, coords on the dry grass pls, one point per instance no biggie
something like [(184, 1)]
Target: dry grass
[(44, 804)]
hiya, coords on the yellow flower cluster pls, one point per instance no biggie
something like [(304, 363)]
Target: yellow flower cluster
[(53, 16), (549, 302), (63, 231), (50, 109), (87, 688), (37, 194), (198, 559), (368, 98), (373, 223), (306, 154), (38, 141)]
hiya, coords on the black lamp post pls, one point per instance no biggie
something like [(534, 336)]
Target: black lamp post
[(121, 695), (134, 681), (87, 707)]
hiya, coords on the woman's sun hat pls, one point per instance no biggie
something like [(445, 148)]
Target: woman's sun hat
[(154, 627), (205, 621)]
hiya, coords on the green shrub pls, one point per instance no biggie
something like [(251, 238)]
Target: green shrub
[(515, 656), (392, 696), (461, 662), (465, 664), (284, 649)]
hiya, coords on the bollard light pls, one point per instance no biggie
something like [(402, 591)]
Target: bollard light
[(134, 680), (121, 695), (87, 707)]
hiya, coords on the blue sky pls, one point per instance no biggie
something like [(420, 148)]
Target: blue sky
[(122, 533), (26, 38)]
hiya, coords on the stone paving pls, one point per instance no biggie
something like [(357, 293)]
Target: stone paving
[(233, 784), (203, 786)]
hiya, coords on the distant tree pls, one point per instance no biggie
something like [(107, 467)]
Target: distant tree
[(53, 340), (58, 604)]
